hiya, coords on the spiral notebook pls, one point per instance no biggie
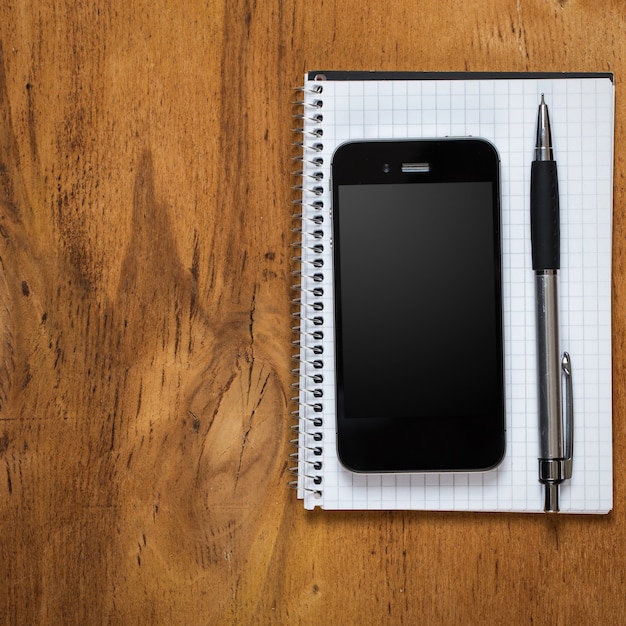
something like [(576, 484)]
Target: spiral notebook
[(339, 106)]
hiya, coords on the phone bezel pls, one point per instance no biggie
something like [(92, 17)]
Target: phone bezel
[(461, 444)]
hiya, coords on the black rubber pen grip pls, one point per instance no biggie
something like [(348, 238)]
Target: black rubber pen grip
[(544, 216)]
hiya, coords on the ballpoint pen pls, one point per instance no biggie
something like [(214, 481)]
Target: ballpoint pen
[(555, 426)]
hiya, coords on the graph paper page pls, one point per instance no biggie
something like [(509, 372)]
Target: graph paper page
[(502, 110)]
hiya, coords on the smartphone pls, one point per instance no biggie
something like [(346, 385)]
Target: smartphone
[(418, 305)]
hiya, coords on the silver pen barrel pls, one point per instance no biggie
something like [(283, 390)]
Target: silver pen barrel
[(551, 440)]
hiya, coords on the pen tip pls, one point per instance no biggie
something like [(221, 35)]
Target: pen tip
[(542, 100)]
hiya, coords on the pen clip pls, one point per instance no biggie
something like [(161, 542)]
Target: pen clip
[(568, 409)]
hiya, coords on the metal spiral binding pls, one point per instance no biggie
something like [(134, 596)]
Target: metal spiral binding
[(309, 309)]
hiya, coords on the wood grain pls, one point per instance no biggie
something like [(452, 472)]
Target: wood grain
[(145, 195)]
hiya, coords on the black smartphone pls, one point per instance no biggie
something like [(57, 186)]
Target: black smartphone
[(418, 305)]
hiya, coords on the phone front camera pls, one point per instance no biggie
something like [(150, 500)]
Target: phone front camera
[(386, 168)]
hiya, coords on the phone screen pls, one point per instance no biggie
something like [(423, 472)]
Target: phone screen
[(418, 329)]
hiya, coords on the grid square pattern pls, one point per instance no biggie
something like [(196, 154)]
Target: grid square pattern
[(504, 111)]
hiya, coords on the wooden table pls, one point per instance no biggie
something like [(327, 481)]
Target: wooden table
[(145, 215)]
